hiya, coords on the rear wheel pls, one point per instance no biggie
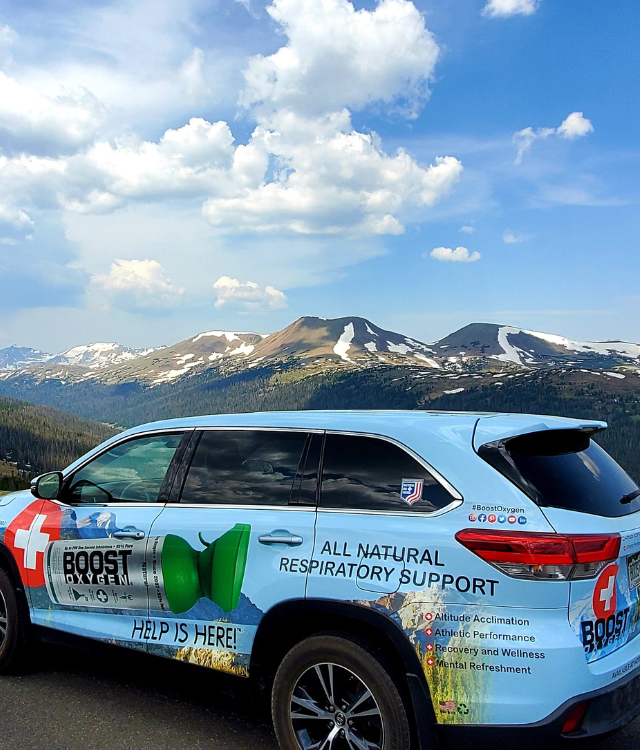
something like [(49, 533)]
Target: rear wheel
[(12, 646), (331, 694)]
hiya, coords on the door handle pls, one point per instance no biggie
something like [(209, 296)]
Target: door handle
[(281, 536), (129, 532)]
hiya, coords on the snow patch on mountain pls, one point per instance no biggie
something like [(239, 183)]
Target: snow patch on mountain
[(344, 342), (399, 348), (245, 349), (99, 355), (510, 353), (229, 335), (590, 347), (431, 362)]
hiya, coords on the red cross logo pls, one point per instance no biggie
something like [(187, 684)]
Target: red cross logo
[(605, 596), (28, 535)]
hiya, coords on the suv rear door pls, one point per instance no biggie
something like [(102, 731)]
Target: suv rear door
[(372, 535), (242, 523)]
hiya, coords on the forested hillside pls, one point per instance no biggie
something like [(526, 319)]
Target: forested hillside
[(40, 439), (572, 393)]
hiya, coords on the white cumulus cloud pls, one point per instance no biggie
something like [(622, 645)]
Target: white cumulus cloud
[(138, 284), (506, 8), (467, 230), (574, 126), (337, 56), (329, 179), (304, 173), (247, 295), (459, 255), (37, 122), (511, 238), (301, 176)]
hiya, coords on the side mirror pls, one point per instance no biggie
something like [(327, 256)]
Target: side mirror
[(47, 486)]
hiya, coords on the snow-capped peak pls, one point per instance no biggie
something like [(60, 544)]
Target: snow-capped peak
[(98, 355)]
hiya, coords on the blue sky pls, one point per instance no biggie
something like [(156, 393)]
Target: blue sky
[(172, 166)]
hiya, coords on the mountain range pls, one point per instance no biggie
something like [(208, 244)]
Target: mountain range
[(342, 363), (317, 344)]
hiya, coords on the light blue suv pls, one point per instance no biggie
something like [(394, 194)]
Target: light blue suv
[(391, 580)]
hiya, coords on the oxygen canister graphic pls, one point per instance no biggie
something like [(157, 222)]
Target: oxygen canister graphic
[(164, 573)]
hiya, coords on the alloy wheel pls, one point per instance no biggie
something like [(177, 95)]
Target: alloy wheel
[(333, 709), (3, 618)]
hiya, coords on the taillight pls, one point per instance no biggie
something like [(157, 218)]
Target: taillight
[(542, 556)]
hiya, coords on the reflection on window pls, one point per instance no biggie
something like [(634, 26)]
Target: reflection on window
[(368, 473), (244, 467), (573, 474), (128, 472)]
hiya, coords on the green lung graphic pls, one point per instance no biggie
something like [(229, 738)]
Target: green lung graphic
[(163, 573), (222, 565), (216, 573), (180, 573)]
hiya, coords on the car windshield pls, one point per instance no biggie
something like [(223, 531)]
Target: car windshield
[(569, 470)]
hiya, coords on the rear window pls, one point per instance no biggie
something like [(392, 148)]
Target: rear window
[(566, 469)]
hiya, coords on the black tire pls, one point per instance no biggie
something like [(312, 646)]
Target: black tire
[(340, 713), (12, 645)]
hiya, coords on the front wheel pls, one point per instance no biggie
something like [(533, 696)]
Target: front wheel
[(329, 693), (12, 646)]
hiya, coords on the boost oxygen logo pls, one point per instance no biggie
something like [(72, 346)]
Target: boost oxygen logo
[(609, 624), (161, 573)]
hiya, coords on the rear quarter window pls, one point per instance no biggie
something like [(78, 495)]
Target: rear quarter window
[(366, 473)]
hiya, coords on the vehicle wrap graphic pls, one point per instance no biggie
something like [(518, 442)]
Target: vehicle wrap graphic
[(162, 594), (605, 612), (27, 540), (162, 572)]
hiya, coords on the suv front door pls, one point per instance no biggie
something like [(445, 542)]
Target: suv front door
[(96, 560), (246, 516)]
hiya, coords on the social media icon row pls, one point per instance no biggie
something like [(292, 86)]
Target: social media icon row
[(493, 518)]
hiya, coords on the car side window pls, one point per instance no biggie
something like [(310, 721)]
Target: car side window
[(133, 471), (244, 467), (365, 473)]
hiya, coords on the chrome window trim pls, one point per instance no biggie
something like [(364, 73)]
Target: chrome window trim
[(455, 503), (403, 513), (425, 464), (126, 504), (235, 506), (221, 428)]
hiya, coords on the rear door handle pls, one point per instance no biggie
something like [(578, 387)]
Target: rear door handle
[(281, 536), (129, 532)]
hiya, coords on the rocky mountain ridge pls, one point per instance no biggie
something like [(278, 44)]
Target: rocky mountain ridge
[(313, 345)]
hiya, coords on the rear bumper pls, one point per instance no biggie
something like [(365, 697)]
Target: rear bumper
[(608, 709)]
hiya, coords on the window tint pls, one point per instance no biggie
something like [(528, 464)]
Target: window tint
[(129, 472), (244, 467), (372, 474), (568, 470)]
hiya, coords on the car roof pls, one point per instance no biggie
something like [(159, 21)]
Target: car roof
[(374, 421)]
